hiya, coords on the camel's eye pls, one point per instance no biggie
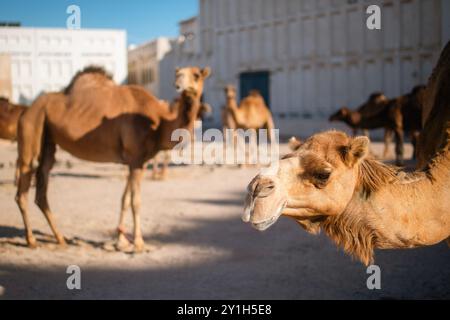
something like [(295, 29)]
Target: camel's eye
[(196, 76), (321, 178)]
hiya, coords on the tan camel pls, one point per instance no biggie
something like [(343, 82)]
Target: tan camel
[(164, 155), (398, 115), (96, 120), (330, 183), (9, 118), (252, 112)]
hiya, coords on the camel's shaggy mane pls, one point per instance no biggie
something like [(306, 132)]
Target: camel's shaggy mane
[(373, 174), (351, 230), (87, 70), (355, 236)]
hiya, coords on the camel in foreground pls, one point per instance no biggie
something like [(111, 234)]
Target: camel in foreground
[(330, 183), (252, 112), (97, 120), (398, 115), (9, 118)]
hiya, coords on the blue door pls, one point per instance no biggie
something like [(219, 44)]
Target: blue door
[(255, 81)]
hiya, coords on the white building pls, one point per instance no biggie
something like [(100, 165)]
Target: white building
[(45, 60), (5, 76), (309, 57), (185, 51), (143, 63)]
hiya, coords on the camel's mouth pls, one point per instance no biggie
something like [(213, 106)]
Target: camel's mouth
[(253, 210), (264, 225)]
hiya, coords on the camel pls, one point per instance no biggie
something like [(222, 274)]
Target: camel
[(96, 120), (331, 184), (252, 112), (9, 118), (395, 116), (161, 174)]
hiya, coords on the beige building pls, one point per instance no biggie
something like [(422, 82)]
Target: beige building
[(309, 57), (143, 63), (5, 76)]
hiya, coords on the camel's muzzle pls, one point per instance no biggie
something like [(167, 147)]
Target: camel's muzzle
[(264, 203)]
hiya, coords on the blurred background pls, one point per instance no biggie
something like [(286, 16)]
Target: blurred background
[(307, 58)]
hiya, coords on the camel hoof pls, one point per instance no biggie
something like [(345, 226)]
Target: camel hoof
[(61, 241), (139, 246), (123, 244), (31, 243)]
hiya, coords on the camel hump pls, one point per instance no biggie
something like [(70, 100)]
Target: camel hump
[(89, 76)]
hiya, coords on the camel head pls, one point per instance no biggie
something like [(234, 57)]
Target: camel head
[(230, 92), (340, 115), (314, 182), (191, 79)]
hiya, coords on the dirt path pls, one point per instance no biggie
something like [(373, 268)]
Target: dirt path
[(197, 247)]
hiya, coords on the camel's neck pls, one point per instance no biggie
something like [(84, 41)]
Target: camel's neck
[(232, 106), (411, 211), (353, 119), (186, 109)]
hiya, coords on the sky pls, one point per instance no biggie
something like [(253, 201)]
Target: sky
[(142, 19)]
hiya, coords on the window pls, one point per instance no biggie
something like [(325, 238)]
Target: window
[(148, 76)]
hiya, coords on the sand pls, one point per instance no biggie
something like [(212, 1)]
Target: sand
[(196, 245)]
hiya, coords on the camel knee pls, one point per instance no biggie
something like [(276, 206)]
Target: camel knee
[(21, 200)]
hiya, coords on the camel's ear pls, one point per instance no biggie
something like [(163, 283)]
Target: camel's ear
[(356, 151), (294, 143), (206, 72), (177, 69)]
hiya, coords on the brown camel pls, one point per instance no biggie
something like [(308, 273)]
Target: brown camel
[(436, 112), (395, 116), (9, 118), (162, 173), (97, 120), (330, 183), (252, 112)]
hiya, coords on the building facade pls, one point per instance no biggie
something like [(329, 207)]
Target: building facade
[(143, 63), (309, 57), (45, 60), (5, 76)]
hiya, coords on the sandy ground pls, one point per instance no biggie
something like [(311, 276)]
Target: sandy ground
[(197, 246)]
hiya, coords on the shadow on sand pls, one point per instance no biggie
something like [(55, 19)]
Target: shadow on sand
[(229, 260)]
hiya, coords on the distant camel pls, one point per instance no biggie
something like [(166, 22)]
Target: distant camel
[(97, 120), (395, 116), (252, 112), (331, 183), (9, 118)]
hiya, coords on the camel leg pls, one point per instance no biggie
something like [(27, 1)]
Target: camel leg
[(155, 167), (387, 142), (399, 149), (414, 139), (164, 170), (17, 174), (46, 163), (448, 242), (122, 241), (366, 133), (135, 187), (24, 182)]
